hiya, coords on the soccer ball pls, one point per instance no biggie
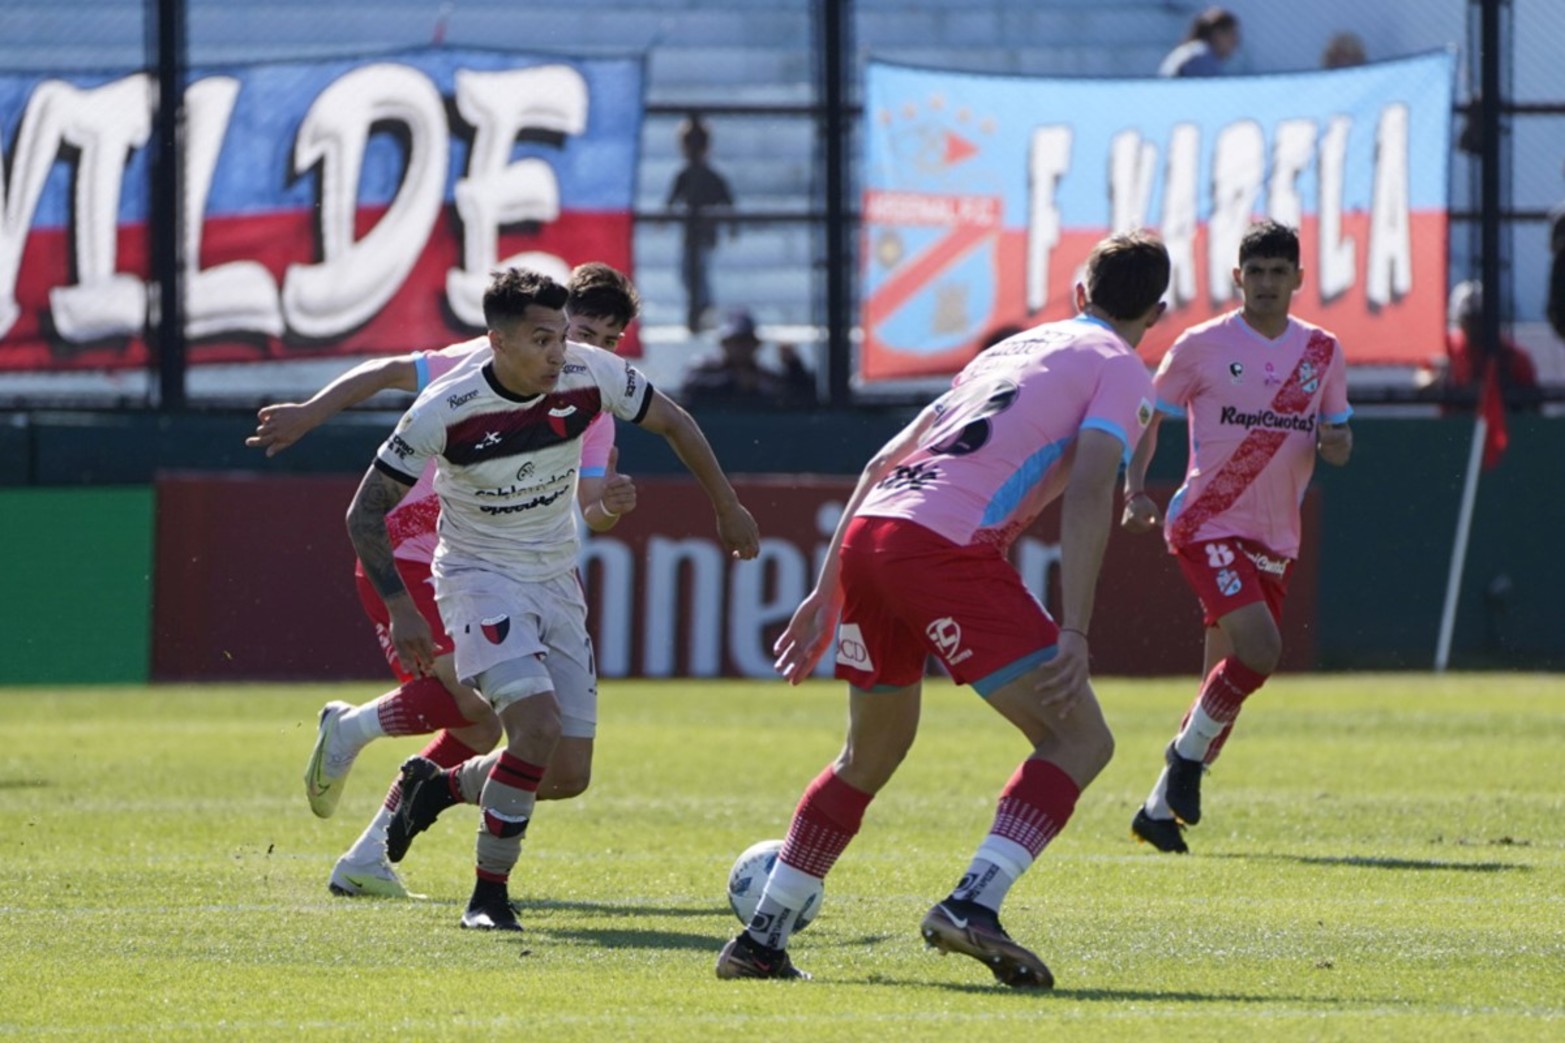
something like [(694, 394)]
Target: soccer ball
[(747, 879)]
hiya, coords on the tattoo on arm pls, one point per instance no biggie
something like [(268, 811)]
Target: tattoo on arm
[(377, 495)]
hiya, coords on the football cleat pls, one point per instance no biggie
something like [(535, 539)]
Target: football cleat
[(1183, 791), (329, 764), (974, 930), (744, 957), (490, 909), (426, 792), (369, 878), (1161, 833)]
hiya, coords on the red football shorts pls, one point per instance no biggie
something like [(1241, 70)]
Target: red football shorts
[(1231, 573), (415, 575), (909, 593)]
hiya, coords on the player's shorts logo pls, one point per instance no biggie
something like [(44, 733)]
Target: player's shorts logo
[(496, 628), (1229, 583), (1219, 555), (851, 649), (946, 633)]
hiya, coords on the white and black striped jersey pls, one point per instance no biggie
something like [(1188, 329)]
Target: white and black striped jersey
[(507, 465)]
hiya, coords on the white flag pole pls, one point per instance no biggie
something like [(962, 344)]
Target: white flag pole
[(1464, 524)]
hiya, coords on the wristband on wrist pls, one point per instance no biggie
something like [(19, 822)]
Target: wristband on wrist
[(606, 512), (1073, 630)]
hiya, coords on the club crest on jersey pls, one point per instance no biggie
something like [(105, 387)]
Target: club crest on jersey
[(496, 628), (1272, 379), (1307, 378), (1236, 372)]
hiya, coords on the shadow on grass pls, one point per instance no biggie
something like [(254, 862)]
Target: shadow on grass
[(1414, 864), (610, 938), (993, 988), (617, 909), (24, 784)]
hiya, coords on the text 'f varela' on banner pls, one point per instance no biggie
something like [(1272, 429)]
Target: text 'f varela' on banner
[(346, 206), (983, 195)]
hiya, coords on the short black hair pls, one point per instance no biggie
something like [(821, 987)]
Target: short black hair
[(1270, 239), (1210, 22), (598, 291), (1127, 274), (514, 290)]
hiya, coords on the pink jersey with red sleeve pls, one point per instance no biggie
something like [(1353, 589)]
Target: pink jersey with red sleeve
[(1254, 407), (1004, 436)]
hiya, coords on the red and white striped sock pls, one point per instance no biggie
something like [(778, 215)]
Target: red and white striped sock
[(421, 706), (1034, 806), (827, 818), (1222, 696)]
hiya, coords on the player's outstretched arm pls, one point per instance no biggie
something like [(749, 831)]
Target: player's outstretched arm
[(1141, 513), (1087, 515), (281, 424), (605, 498), (1335, 443), (735, 527), (378, 494), (802, 644)]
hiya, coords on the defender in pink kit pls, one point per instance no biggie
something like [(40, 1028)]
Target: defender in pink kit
[(918, 566)]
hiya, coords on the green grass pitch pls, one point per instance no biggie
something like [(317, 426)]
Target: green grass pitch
[(1383, 858)]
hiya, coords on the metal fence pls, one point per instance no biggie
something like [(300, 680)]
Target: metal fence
[(775, 83)]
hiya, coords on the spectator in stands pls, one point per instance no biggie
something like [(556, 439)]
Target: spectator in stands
[(1213, 37), (738, 378), (699, 189), (1458, 376), (1343, 51)]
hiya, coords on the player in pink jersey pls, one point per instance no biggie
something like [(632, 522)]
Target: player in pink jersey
[(918, 566), (1262, 392), (601, 305)]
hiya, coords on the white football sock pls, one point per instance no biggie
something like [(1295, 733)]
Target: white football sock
[(371, 845), (1157, 801), (1197, 736), (787, 890), (361, 725), (997, 864)]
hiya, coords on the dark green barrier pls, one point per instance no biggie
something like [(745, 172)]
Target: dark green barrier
[(76, 585)]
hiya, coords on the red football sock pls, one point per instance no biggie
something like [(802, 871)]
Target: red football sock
[(421, 706), (1227, 687), (828, 816), (1035, 805)]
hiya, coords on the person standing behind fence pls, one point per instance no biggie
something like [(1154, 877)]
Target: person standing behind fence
[(698, 189), (1212, 39)]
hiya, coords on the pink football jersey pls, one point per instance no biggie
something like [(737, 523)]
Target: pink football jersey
[(1254, 407), (1001, 446)]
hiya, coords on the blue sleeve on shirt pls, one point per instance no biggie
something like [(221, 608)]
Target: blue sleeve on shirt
[(421, 371), (1099, 424)]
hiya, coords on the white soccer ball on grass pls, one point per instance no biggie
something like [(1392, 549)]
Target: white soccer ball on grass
[(747, 879)]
